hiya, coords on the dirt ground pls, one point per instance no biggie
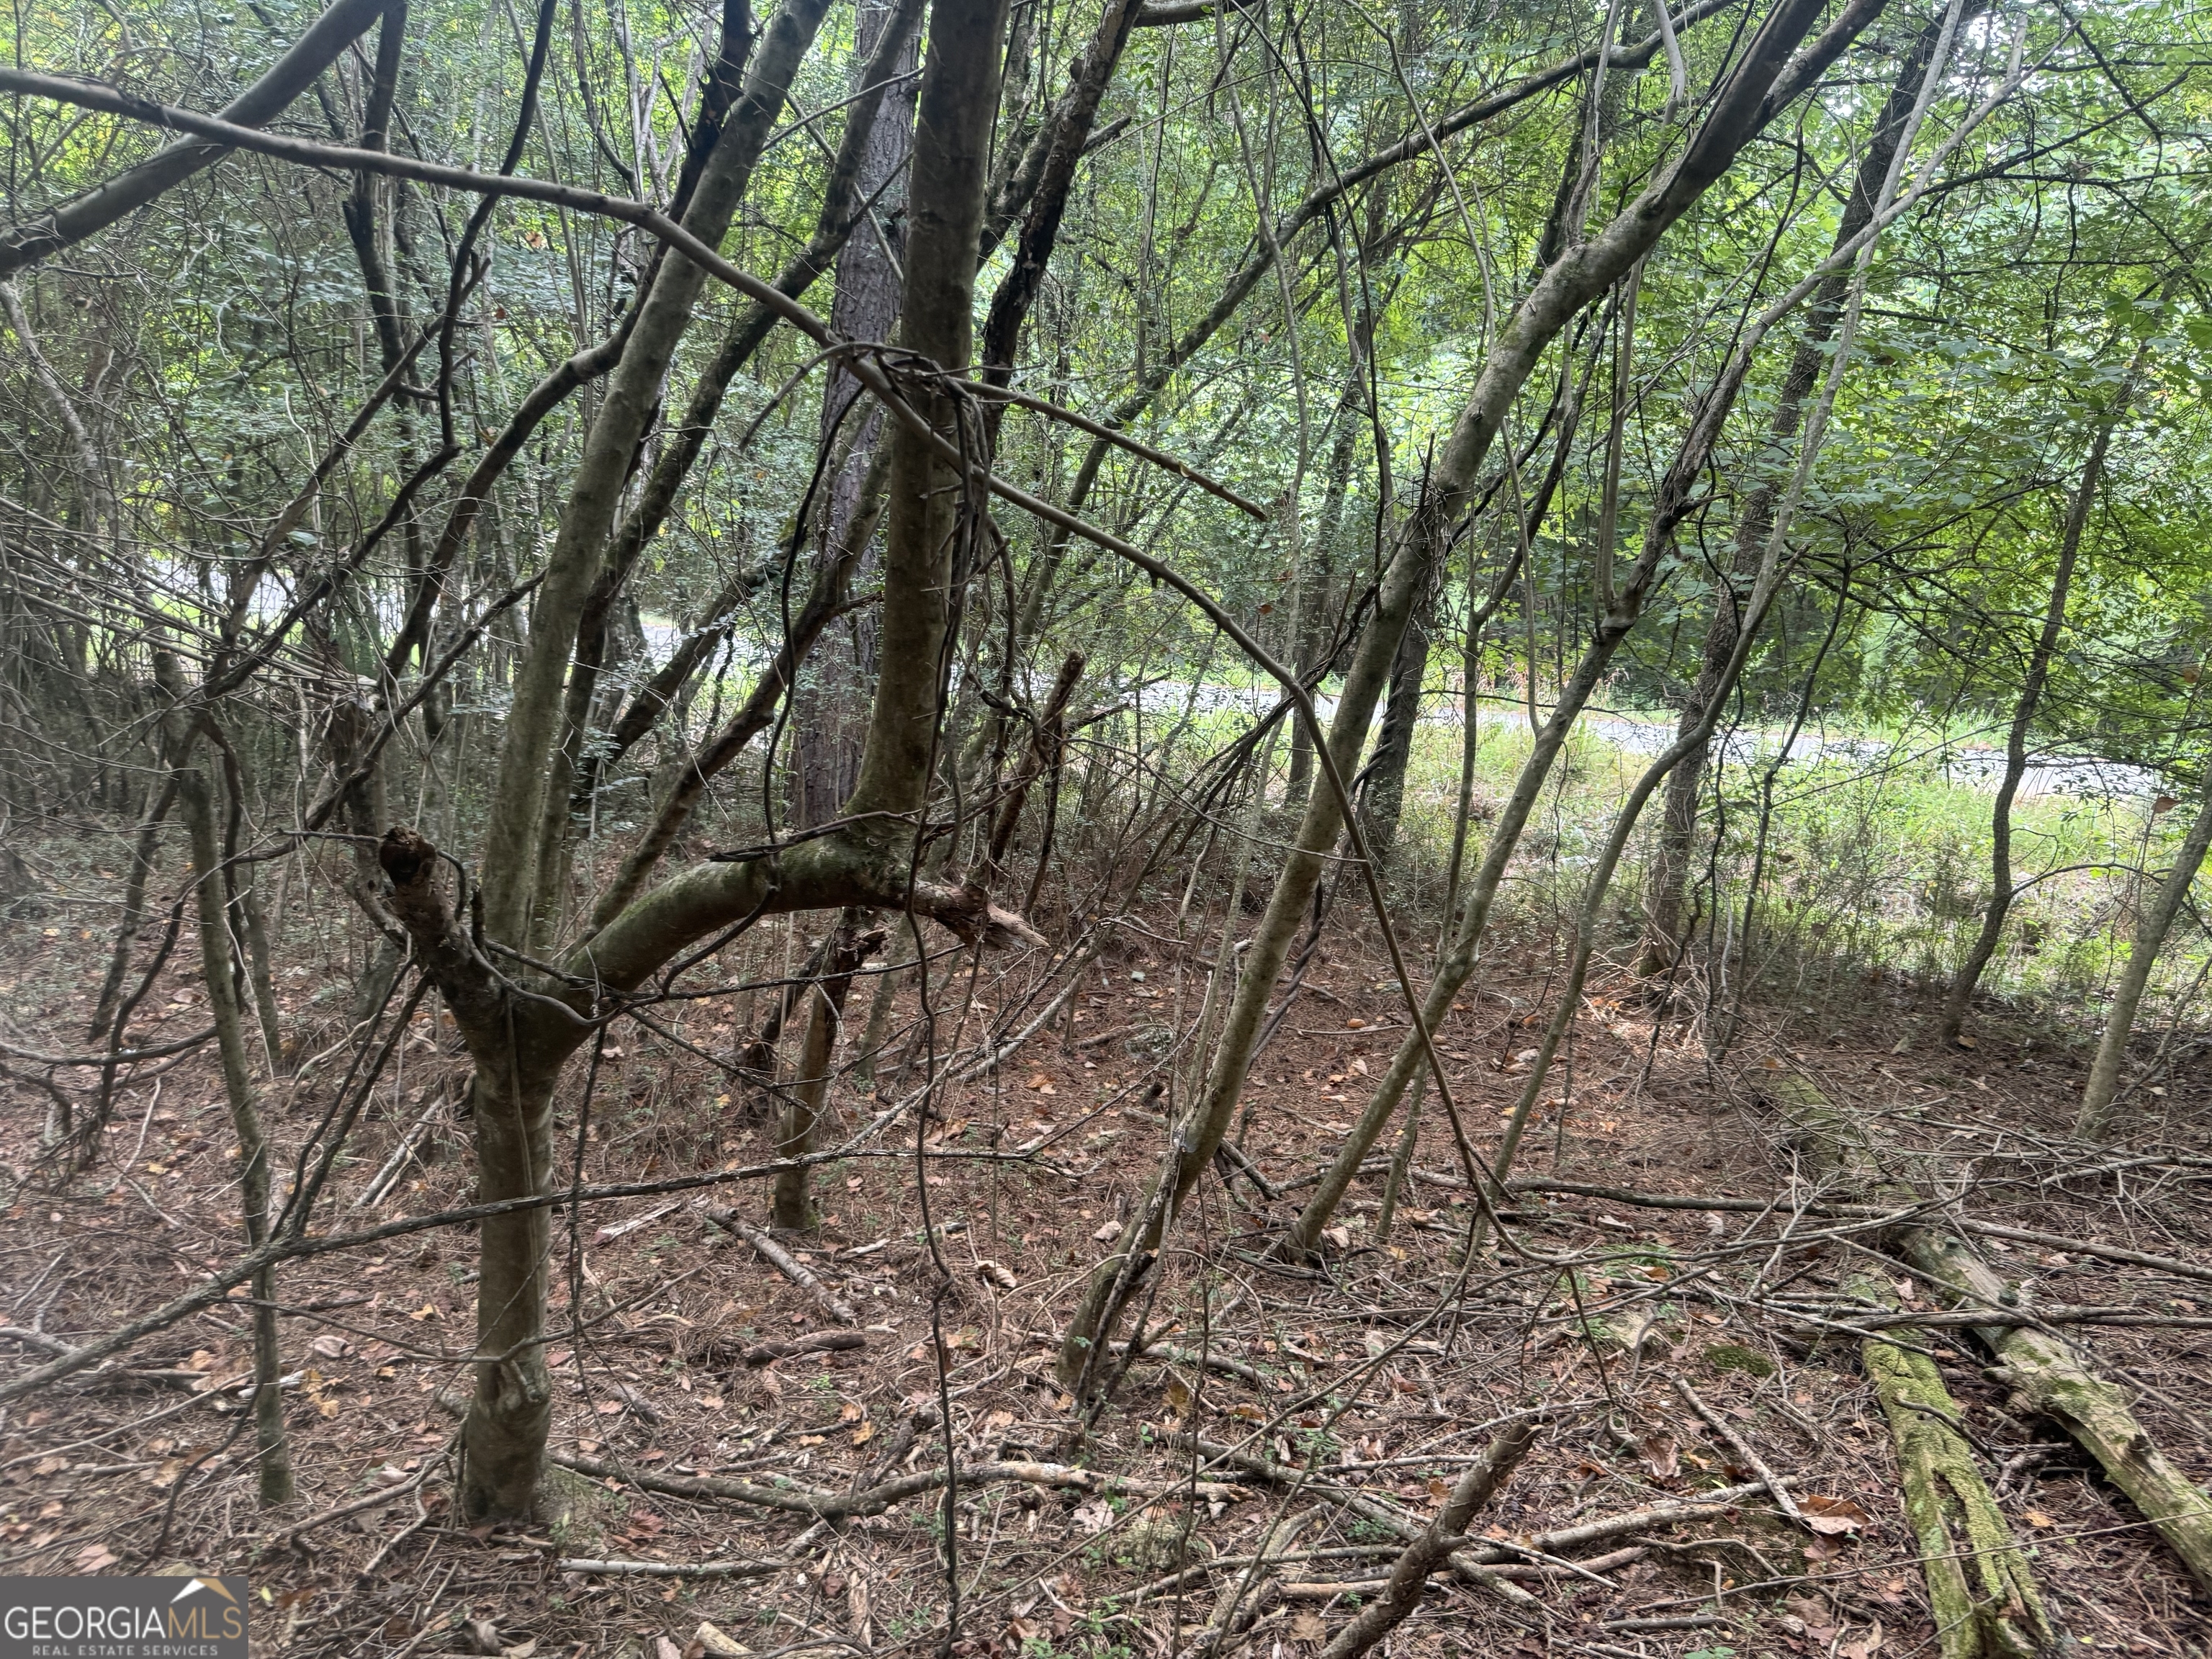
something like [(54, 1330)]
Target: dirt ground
[(1352, 1395)]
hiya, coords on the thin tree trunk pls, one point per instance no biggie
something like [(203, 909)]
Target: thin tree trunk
[(2023, 715), (134, 908), (198, 801), (1385, 792), (1316, 570), (1736, 112), (2151, 928), (1663, 940), (809, 1090)]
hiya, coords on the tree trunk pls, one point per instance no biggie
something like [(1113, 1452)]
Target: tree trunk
[(1663, 940), (142, 851), (198, 801), (808, 1091), (1736, 112), (1385, 792), (2151, 929), (830, 719), (2023, 720), (503, 1439)]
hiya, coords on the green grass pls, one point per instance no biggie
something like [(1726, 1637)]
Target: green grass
[(1865, 867)]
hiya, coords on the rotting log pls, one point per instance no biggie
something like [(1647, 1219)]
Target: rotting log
[(2053, 1378), (1980, 1589), (2048, 1376)]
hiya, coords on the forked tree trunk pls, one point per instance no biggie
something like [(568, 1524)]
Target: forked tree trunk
[(2151, 929), (520, 1043), (532, 784)]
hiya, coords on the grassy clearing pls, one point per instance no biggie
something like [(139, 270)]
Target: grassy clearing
[(1866, 868)]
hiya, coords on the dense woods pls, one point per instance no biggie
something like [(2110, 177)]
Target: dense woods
[(1023, 827)]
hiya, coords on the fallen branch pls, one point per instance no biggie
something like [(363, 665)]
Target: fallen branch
[(1409, 1576), (818, 1342), (1775, 1487), (782, 1260), (761, 1569), (1469, 1565), (836, 1506), (2091, 1248)]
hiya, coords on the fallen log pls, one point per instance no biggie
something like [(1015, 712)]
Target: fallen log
[(2048, 1376), (782, 1260), (818, 1342), (1980, 1590)]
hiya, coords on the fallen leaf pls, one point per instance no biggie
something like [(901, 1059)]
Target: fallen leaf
[(330, 1345), (2038, 1518), (1661, 1455), (1308, 1628), (864, 1434), (1832, 1516), (93, 1558), (1093, 1515)]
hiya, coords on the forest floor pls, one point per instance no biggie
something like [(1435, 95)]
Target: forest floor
[(1379, 1377)]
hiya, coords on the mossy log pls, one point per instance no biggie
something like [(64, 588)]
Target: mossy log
[(2048, 1376), (1979, 1586), (2051, 1378)]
